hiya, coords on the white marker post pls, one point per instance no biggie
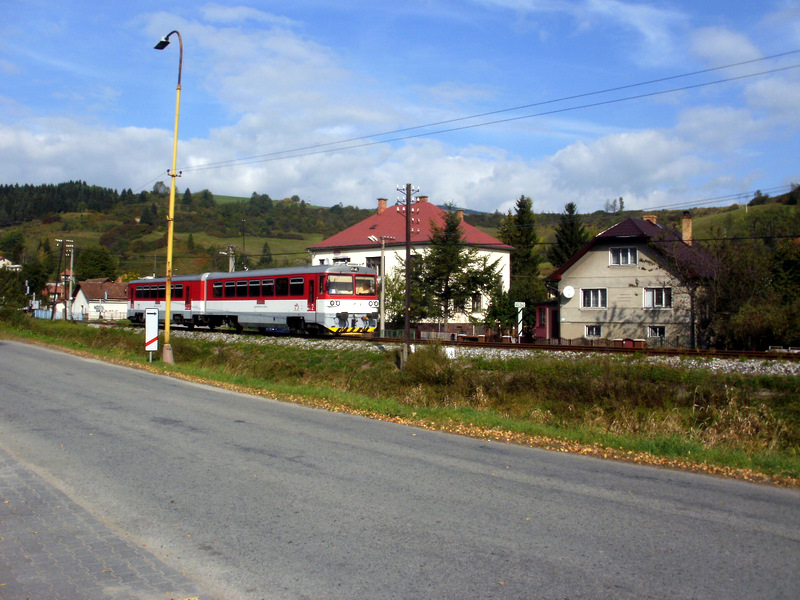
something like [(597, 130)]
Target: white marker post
[(519, 306), (151, 331)]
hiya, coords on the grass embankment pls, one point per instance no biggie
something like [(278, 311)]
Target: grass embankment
[(621, 407)]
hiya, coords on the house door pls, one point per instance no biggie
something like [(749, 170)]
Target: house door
[(555, 324)]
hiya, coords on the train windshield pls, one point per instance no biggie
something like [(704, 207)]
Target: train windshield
[(365, 286), (340, 284)]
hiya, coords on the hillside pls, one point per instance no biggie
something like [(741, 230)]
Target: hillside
[(132, 227)]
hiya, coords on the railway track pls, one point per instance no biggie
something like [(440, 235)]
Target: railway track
[(792, 356)]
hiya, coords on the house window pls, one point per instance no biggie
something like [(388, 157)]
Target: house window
[(542, 317), (595, 298), (374, 262), (656, 331), (594, 331), (624, 256), (477, 303), (658, 297)]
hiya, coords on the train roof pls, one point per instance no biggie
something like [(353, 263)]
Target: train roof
[(256, 273)]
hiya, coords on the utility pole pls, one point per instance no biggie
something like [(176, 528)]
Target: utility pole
[(408, 192), (71, 250), (244, 251), (58, 276), (372, 238), (231, 254)]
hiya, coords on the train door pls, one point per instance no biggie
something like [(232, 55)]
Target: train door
[(187, 301), (312, 298)]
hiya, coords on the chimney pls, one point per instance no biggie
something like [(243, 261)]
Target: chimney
[(460, 213), (381, 205), (422, 199), (686, 228), (651, 218)]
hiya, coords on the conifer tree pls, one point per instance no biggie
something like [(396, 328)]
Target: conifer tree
[(571, 236)]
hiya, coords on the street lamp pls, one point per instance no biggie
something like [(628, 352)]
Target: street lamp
[(167, 354), (383, 239)]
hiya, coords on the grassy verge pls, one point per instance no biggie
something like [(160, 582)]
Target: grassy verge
[(615, 407)]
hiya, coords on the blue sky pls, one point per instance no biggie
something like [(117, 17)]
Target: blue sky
[(83, 95)]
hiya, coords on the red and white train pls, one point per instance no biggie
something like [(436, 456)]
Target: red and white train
[(320, 300)]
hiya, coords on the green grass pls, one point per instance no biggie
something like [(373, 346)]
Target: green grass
[(620, 407)]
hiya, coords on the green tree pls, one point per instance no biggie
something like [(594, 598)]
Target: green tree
[(518, 229), (95, 262), (36, 274), (571, 236), (12, 294), (445, 278), (187, 198), (265, 260), (160, 188), (190, 243), (12, 246)]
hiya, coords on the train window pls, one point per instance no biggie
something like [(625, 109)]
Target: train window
[(230, 289), (177, 291), (255, 288), (241, 289), (282, 286), (297, 286), (365, 286), (216, 290), (162, 291), (267, 288), (138, 291), (340, 284)]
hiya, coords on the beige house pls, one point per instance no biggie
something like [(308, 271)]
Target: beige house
[(634, 284)]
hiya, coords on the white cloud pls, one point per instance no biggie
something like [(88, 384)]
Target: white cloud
[(219, 13), (720, 46)]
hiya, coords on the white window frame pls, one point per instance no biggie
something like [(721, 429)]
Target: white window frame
[(627, 256), (598, 298), (589, 333), (657, 297), (653, 331)]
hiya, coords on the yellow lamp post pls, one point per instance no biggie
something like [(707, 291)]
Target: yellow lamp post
[(167, 353)]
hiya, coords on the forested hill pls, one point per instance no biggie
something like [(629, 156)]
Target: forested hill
[(199, 212)]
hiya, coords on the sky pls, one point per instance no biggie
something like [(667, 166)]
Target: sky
[(667, 104)]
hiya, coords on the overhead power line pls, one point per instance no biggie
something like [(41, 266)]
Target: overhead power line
[(369, 140)]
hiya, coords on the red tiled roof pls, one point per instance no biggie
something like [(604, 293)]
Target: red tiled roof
[(95, 289), (391, 222)]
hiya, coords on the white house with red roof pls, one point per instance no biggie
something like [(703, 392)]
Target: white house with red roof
[(360, 244)]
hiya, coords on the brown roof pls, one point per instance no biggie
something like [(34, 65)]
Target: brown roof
[(390, 221), (96, 289), (695, 259)]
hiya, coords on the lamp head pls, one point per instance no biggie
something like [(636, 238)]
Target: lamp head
[(162, 43)]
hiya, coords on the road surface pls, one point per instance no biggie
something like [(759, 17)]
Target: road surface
[(252, 498)]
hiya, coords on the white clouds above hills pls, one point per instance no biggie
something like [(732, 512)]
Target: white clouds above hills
[(289, 99)]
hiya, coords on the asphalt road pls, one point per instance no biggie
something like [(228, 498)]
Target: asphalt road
[(252, 498)]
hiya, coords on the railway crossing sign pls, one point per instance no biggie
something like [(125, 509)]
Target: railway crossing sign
[(151, 331)]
